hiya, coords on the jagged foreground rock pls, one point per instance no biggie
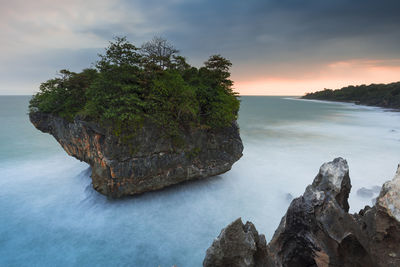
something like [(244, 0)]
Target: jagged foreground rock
[(238, 245), (149, 161), (317, 229)]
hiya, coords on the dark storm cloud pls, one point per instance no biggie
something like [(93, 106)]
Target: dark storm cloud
[(269, 28), (263, 34), (304, 32)]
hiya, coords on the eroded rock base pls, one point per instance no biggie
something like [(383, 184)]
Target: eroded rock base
[(148, 160)]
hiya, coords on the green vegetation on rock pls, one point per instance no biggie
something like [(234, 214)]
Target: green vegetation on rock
[(129, 86), (381, 95)]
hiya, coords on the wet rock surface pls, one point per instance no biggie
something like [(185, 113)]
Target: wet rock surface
[(148, 161), (317, 229), (238, 245)]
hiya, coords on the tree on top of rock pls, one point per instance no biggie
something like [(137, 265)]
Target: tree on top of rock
[(159, 52), (219, 67), (119, 53)]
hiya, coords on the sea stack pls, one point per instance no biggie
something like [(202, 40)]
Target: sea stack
[(149, 161), (143, 118)]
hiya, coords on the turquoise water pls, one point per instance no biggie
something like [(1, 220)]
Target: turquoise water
[(50, 216)]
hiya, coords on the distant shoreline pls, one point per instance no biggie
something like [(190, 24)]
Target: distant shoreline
[(375, 95), (350, 102)]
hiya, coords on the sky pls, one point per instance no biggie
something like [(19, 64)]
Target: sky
[(282, 47)]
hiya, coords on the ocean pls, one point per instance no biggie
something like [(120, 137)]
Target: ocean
[(51, 216)]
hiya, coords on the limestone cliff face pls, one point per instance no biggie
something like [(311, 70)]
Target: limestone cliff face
[(149, 161), (317, 229)]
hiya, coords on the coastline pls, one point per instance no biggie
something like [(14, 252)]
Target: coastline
[(349, 102)]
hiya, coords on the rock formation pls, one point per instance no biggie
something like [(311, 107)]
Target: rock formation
[(149, 161), (317, 229), (238, 245)]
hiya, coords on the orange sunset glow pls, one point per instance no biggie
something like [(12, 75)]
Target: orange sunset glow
[(332, 76)]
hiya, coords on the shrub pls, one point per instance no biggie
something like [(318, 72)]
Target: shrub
[(131, 85)]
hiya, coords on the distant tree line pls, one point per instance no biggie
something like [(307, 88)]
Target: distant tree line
[(381, 95), (129, 86)]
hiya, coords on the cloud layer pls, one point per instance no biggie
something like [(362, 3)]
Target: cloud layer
[(279, 45)]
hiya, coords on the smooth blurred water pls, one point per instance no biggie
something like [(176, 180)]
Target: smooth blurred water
[(50, 215)]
